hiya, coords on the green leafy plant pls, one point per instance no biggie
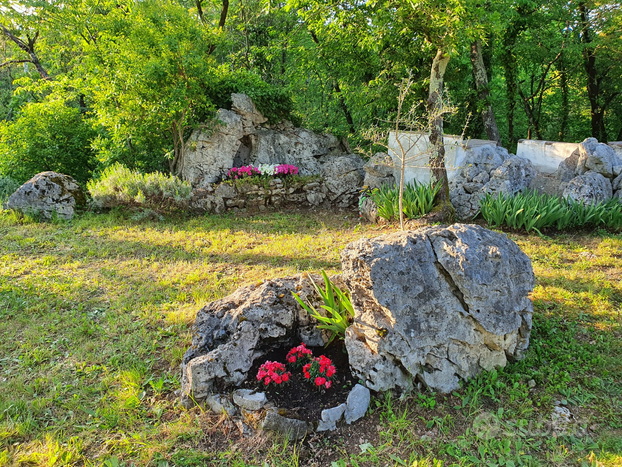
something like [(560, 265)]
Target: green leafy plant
[(533, 211), (418, 200), (337, 304)]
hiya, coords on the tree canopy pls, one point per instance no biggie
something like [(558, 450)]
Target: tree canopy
[(88, 83)]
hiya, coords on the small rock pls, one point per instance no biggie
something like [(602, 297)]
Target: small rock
[(532, 383), (219, 404), (294, 429), (249, 399), (357, 403), (330, 417)]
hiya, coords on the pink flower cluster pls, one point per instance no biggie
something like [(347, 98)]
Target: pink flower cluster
[(320, 371), (273, 372), (241, 172), (298, 356), (286, 169)]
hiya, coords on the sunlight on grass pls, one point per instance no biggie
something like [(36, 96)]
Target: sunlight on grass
[(96, 315)]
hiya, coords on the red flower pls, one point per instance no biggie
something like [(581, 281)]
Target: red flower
[(319, 381)]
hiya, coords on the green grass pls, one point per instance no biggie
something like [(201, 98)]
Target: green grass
[(95, 316)]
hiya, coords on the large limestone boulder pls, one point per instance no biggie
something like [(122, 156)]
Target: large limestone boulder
[(379, 171), (244, 106), (436, 305), (343, 178), (231, 333), (210, 153), (589, 188), (298, 146), (48, 194), (513, 176), (596, 157)]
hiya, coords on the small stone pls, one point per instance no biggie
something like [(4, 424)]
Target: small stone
[(294, 429), (357, 403), (330, 417), (249, 399), (219, 404), (532, 383)]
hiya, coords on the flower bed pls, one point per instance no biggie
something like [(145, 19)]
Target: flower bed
[(302, 397)]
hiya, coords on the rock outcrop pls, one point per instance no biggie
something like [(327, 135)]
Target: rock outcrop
[(589, 188), (231, 333), (436, 305), (241, 136), (488, 169), (48, 194)]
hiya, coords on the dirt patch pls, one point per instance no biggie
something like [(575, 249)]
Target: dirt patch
[(299, 397)]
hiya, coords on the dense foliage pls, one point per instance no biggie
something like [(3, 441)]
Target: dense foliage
[(533, 211), (134, 78), (418, 200)]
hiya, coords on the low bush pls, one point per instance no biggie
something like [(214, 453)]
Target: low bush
[(120, 186), (418, 200), (8, 186), (533, 211)]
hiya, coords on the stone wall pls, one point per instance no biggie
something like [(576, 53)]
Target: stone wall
[(308, 192)]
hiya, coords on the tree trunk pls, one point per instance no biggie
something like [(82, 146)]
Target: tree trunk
[(481, 84), (344, 107), (29, 48), (565, 108), (444, 210), (589, 64)]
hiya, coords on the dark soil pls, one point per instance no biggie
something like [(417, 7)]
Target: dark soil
[(299, 397)]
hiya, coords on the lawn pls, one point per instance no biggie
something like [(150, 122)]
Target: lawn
[(96, 315)]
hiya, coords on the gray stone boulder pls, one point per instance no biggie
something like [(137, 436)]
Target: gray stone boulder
[(589, 188), (368, 209), (231, 333), (343, 178), (436, 305), (596, 157), (380, 165), (210, 153), (48, 194), (299, 147), (567, 169), (245, 107), (289, 427), (513, 176), (472, 181)]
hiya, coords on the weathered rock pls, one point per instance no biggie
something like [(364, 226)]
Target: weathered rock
[(467, 205), (436, 305), (514, 175), (596, 157), (485, 158), (343, 177), (371, 181), (231, 333), (217, 403), (548, 184), (567, 169), (380, 165), (589, 188), (368, 209), (236, 138), (48, 194), (330, 417), (249, 399), (293, 429), (299, 147), (617, 183), (209, 154), (357, 403), (244, 105)]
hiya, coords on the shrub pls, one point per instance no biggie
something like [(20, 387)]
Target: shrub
[(418, 200), (8, 186), (120, 186), (533, 211), (49, 135)]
